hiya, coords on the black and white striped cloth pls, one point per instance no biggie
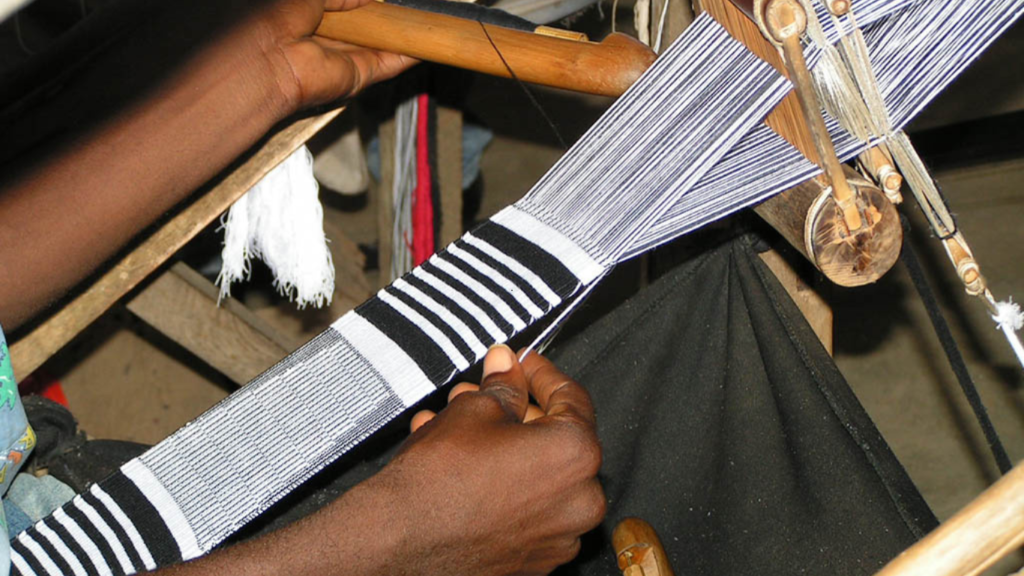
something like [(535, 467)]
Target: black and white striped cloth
[(620, 184), (371, 365)]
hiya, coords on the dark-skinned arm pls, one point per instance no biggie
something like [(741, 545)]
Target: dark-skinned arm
[(66, 217)]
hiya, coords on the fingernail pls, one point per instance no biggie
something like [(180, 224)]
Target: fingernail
[(500, 358)]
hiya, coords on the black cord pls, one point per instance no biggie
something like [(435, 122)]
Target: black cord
[(949, 346), (529, 93)]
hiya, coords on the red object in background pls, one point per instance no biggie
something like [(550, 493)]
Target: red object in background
[(422, 201), (42, 384)]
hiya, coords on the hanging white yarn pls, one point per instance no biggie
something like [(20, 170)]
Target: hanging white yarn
[(280, 221), (1009, 319)]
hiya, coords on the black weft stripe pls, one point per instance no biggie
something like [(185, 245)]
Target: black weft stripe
[(488, 283), (29, 557), (559, 278), (413, 341), (49, 550), (437, 296), (122, 537), (508, 273), (157, 536), (94, 534), (72, 544), (456, 286), (436, 320)]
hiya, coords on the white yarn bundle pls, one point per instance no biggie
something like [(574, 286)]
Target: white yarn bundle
[(280, 221), (1009, 319)]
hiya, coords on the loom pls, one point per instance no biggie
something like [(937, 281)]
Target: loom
[(611, 197), (847, 252)]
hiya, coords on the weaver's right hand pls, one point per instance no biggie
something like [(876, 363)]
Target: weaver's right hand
[(481, 492), (474, 491)]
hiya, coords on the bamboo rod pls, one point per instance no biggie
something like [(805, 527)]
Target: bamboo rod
[(607, 68), (36, 347), (987, 529)]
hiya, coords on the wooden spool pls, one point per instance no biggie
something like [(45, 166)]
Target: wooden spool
[(811, 223), (808, 218)]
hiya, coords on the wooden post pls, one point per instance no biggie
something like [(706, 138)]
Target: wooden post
[(385, 203), (449, 178), (679, 16)]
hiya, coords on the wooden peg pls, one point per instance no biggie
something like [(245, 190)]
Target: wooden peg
[(877, 163), (966, 266), (638, 549)]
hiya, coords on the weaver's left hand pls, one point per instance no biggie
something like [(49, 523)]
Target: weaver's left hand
[(312, 70)]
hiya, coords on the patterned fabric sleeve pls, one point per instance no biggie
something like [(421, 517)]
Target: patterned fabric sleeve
[(16, 440)]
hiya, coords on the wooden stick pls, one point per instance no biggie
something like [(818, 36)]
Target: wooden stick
[(182, 305), (987, 529), (607, 68), (30, 351)]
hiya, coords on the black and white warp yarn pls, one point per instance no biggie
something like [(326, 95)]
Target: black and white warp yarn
[(625, 186), (916, 49)]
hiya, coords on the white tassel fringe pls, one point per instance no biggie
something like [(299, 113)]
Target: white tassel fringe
[(280, 221), (1009, 319)]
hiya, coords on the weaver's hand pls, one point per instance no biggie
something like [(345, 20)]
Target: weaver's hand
[(488, 494), (475, 490), (311, 69)]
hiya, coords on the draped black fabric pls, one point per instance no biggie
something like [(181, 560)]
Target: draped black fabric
[(727, 426)]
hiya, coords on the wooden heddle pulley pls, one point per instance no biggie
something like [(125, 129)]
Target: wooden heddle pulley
[(842, 222), (809, 219)]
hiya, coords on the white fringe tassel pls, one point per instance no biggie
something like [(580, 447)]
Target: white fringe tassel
[(280, 221), (1009, 319)]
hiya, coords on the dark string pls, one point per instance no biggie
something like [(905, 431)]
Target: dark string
[(526, 89), (945, 204), (949, 346)]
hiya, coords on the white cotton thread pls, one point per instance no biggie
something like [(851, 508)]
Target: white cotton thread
[(280, 221), (1009, 319)]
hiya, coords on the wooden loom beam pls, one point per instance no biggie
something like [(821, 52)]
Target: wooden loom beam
[(607, 68)]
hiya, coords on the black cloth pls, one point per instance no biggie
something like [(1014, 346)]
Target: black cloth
[(63, 451), (727, 426), (724, 424)]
